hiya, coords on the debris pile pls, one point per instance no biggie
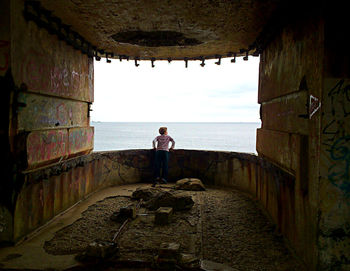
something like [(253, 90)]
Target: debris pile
[(191, 184), (155, 198)]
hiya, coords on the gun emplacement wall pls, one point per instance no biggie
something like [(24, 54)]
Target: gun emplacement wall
[(49, 191), (302, 173), (48, 89)]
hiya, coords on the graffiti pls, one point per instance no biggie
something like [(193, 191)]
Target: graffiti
[(338, 110), (80, 139), (43, 75), (336, 135), (46, 112), (339, 173), (75, 80), (342, 90), (4, 55), (44, 146), (61, 113)]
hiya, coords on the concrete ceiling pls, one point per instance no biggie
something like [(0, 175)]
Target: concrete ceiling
[(162, 29)]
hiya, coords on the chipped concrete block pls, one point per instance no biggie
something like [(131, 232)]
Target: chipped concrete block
[(163, 215), (124, 213), (128, 211)]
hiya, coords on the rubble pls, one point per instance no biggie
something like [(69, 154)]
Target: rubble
[(170, 199), (156, 197), (145, 193), (124, 213), (191, 184), (163, 215)]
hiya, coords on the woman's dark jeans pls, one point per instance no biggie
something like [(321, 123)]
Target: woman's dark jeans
[(161, 161)]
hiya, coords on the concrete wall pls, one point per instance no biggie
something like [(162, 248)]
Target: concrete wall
[(6, 84), (55, 86), (291, 70), (304, 94), (45, 106), (51, 190), (334, 198)]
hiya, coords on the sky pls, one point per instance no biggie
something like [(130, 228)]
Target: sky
[(172, 93)]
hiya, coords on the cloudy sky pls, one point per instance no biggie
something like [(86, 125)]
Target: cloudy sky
[(172, 93)]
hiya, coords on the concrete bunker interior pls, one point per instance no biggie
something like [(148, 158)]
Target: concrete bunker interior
[(301, 174)]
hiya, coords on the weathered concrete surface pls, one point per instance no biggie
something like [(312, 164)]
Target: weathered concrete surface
[(287, 113), (47, 146), (293, 61), (286, 153), (45, 64), (221, 26), (81, 140), (291, 70), (49, 87), (31, 252), (334, 224), (47, 192), (334, 198), (50, 112)]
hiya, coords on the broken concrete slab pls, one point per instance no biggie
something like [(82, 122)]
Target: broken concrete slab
[(128, 211), (177, 201), (163, 215), (145, 193), (191, 184), (124, 213)]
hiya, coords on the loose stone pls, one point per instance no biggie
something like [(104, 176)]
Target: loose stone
[(191, 184)]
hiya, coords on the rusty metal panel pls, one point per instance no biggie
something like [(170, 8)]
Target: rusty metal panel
[(280, 147), (44, 146), (81, 140), (287, 113), (45, 64), (42, 112)]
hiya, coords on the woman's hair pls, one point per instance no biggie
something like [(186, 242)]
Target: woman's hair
[(162, 130)]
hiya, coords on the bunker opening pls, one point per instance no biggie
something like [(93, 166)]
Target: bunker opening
[(56, 190)]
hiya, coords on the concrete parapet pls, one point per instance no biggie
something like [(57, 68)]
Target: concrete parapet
[(48, 191)]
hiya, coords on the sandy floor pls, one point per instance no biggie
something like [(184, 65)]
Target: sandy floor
[(224, 226)]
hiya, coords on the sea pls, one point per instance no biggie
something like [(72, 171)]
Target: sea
[(218, 136)]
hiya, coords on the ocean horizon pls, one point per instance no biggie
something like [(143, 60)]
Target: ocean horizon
[(214, 136)]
